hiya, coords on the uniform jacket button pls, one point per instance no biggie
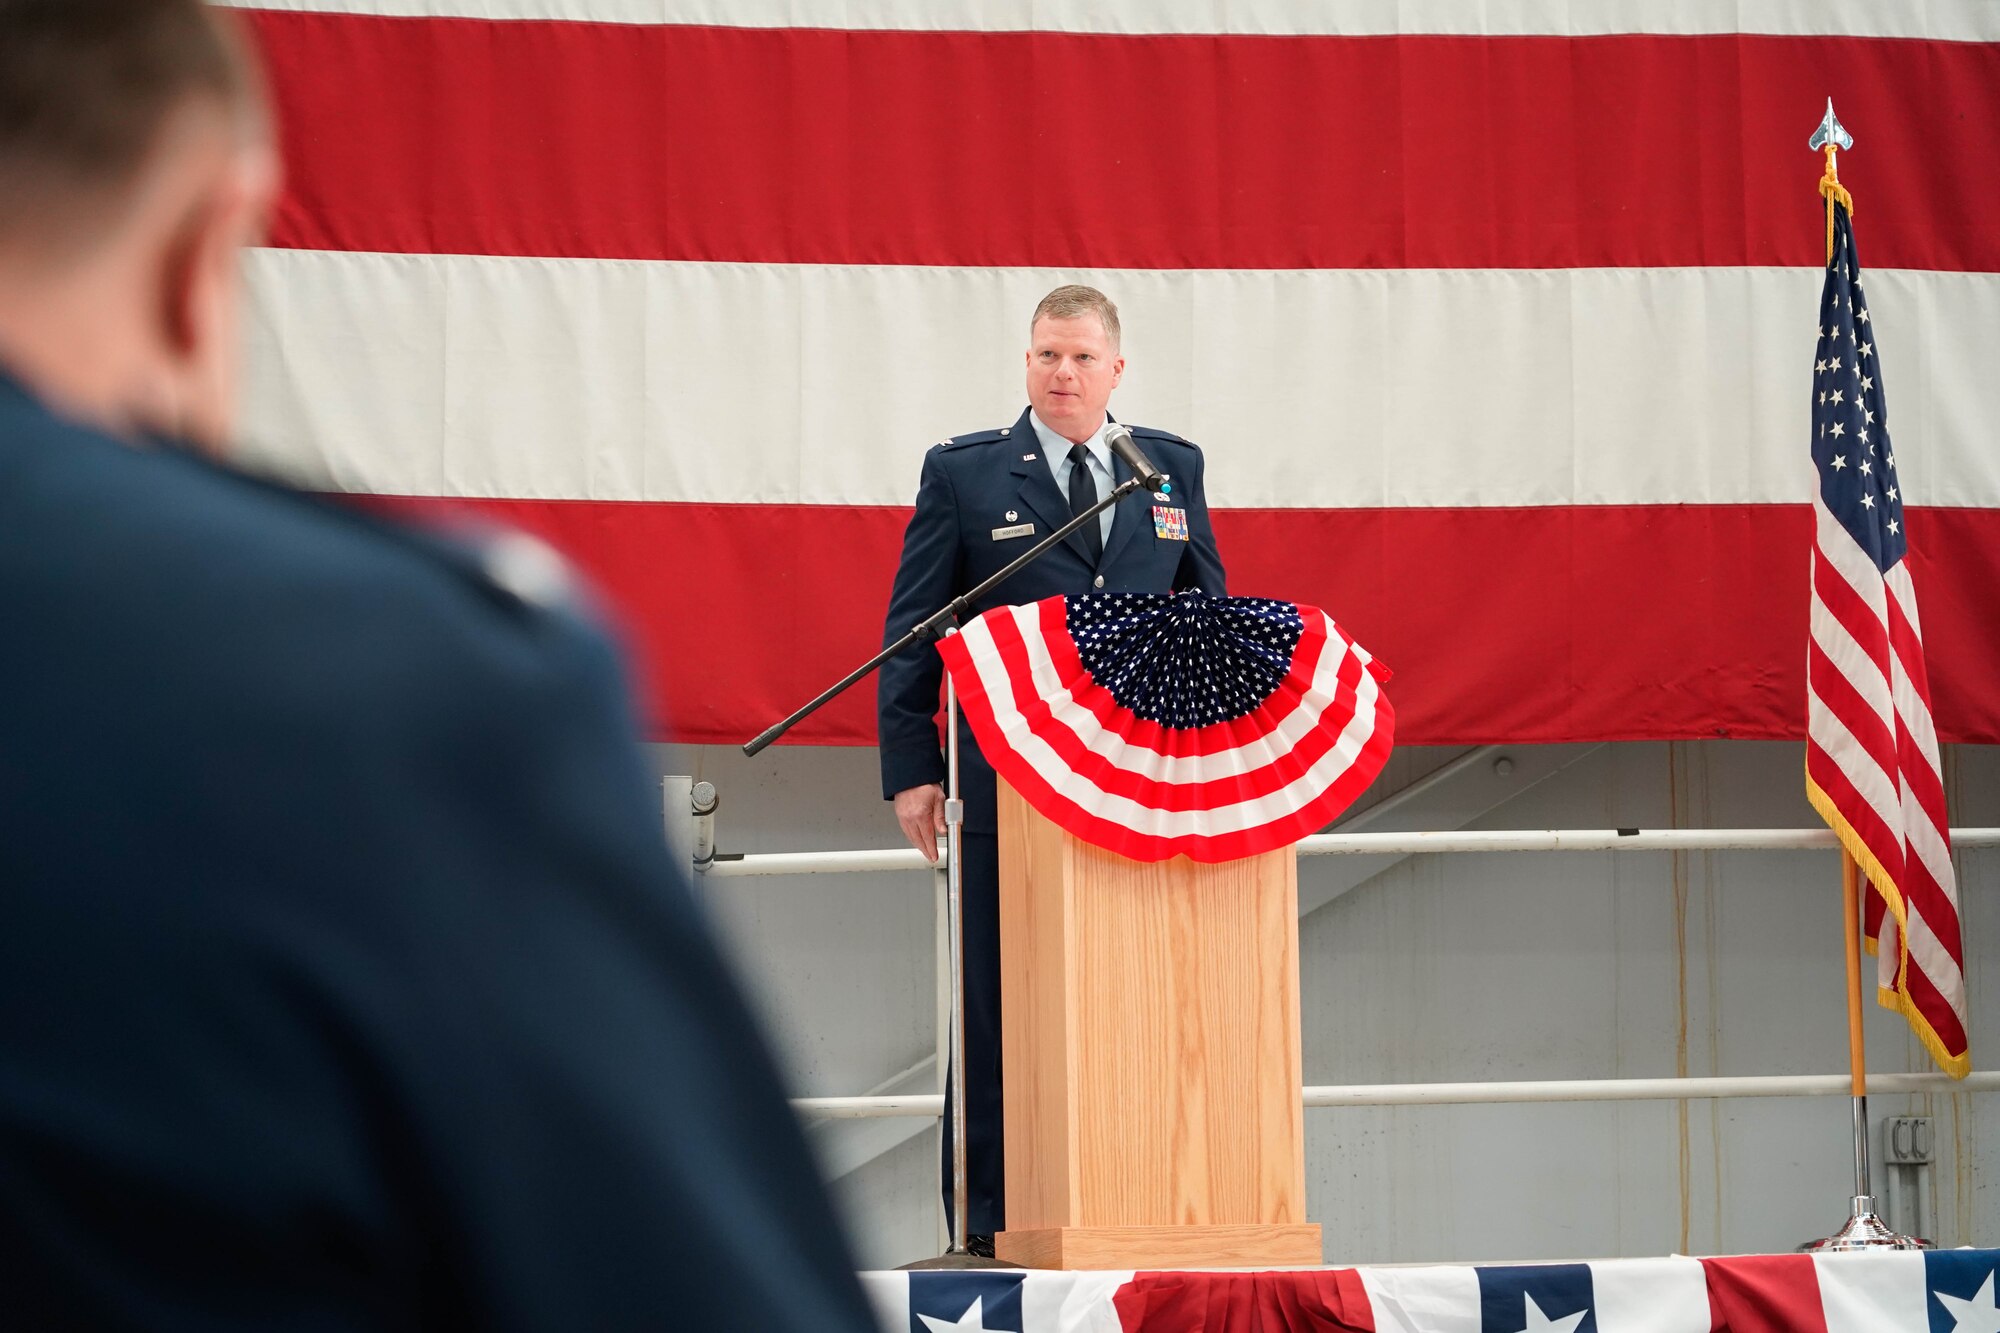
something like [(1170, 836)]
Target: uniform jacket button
[(1099, 582)]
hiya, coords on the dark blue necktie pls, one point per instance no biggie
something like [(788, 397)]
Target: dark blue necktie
[(1082, 495)]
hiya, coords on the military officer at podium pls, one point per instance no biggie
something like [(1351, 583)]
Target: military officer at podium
[(984, 499)]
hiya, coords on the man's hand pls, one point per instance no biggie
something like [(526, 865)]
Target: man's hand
[(920, 810)]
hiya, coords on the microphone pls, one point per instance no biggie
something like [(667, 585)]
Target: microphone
[(1121, 443)]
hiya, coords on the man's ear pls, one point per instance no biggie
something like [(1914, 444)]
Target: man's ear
[(183, 262), (201, 292)]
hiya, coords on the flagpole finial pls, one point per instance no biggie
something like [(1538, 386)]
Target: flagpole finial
[(1830, 132), (1832, 136)]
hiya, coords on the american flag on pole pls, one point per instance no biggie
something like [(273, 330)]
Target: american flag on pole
[(1872, 766), (1175, 724)]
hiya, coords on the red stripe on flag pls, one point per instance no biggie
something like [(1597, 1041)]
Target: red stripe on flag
[(1765, 1294), (1852, 710), (1855, 615), (787, 145), (1882, 842), (1935, 1009), (1961, 632), (1919, 768), (1922, 891), (1326, 1301), (1907, 644), (1510, 625)]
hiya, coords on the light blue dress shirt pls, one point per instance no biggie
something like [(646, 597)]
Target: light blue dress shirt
[(1056, 449)]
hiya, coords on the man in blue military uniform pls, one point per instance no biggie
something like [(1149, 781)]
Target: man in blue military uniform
[(345, 983), (983, 500)]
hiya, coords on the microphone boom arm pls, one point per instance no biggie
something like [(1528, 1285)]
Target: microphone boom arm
[(958, 607)]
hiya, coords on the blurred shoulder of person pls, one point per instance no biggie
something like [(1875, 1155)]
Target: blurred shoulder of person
[(345, 982)]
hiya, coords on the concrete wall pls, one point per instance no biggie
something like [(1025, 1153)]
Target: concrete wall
[(1499, 966)]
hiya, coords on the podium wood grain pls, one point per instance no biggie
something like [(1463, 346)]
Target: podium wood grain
[(1151, 1039)]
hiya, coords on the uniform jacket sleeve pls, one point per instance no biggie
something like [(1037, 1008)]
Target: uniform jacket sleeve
[(1201, 565), (906, 692), (635, 1157), (615, 1144), (389, 1006)]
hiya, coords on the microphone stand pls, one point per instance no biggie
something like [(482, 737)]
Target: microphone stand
[(938, 623), (933, 626)]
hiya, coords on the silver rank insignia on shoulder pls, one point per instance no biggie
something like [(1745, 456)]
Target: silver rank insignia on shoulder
[(528, 568), (1018, 530)]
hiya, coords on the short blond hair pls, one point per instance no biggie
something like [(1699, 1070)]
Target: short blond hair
[(1074, 301)]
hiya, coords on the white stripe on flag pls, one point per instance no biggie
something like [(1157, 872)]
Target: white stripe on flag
[(1854, 565), (1897, 580), (1651, 1296), (1423, 1300), (1928, 953), (889, 1293), (1851, 660), (1072, 1302), (1944, 20), (1875, 787), (1873, 1293), (573, 379)]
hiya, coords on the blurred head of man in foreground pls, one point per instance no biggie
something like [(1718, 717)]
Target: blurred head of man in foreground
[(136, 161)]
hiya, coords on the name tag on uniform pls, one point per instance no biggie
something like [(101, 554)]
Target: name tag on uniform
[(1018, 530), (1169, 523)]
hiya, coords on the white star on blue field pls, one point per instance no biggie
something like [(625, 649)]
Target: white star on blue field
[(1185, 660)]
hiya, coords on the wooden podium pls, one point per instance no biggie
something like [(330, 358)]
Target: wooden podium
[(1151, 1040)]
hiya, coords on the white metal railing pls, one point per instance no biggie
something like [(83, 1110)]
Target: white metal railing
[(931, 1105), (1391, 844), (1475, 1094)]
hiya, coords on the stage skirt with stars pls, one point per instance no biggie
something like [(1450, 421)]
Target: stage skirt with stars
[(1175, 724)]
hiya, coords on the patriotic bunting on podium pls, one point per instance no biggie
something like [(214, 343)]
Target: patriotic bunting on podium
[(1158, 724)]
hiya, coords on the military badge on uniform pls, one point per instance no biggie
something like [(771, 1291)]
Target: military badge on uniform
[(1169, 523), (1018, 530)]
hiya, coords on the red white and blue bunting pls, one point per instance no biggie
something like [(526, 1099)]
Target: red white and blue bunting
[(1161, 725), (1939, 1291)]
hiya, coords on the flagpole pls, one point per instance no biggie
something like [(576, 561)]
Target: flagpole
[(1864, 1230), (1857, 1048)]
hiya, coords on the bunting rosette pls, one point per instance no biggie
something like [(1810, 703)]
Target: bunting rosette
[(1175, 724)]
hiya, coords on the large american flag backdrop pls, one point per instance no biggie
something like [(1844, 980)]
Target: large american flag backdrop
[(1489, 317)]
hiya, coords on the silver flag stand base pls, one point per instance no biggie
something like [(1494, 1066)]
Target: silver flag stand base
[(1864, 1231)]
